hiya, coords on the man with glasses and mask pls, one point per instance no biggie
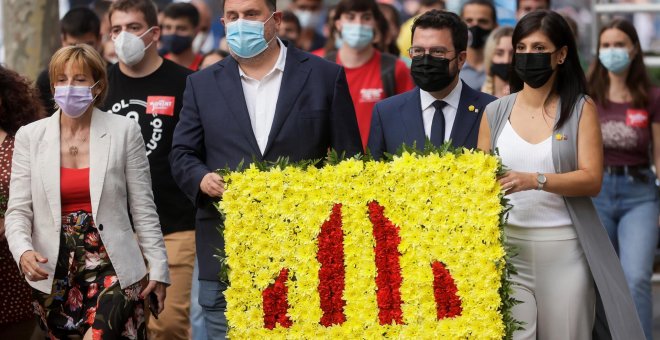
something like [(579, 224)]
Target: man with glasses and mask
[(267, 100), (441, 107), (149, 89)]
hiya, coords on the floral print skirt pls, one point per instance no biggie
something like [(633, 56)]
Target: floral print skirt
[(86, 291)]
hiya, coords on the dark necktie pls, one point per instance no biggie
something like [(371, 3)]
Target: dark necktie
[(438, 124)]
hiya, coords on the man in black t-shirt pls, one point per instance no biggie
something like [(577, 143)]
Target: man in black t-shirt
[(149, 89)]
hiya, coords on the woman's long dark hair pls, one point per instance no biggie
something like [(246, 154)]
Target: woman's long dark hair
[(570, 82), (637, 81), (19, 101)]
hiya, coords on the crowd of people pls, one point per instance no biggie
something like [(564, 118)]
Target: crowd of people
[(108, 225)]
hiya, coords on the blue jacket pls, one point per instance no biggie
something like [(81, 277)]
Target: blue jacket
[(398, 119)]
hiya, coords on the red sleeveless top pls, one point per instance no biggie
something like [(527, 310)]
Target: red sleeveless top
[(74, 190)]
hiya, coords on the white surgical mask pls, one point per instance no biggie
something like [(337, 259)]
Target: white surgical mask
[(308, 19), (203, 42), (130, 48)]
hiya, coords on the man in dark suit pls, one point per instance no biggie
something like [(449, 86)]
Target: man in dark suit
[(441, 107), (267, 100)]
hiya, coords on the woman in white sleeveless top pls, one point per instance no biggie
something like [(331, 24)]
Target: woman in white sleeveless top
[(554, 281)]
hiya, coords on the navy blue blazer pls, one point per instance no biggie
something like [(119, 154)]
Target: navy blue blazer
[(398, 120), (314, 112)]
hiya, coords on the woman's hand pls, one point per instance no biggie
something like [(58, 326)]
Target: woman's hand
[(514, 181), (159, 289), (30, 266)]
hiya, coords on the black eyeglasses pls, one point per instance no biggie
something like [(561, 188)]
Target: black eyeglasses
[(438, 52)]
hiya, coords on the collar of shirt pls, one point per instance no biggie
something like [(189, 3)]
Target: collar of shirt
[(452, 99), (449, 112), (279, 64)]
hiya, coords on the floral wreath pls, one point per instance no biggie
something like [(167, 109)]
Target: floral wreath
[(408, 247)]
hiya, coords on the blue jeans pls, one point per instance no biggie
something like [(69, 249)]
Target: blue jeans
[(214, 305), (196, 315), (628, 208)]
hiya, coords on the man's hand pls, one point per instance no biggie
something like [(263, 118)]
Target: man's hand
[(30, 266), (213, 185)]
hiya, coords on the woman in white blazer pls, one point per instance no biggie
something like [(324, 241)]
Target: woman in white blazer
[(75, 175)]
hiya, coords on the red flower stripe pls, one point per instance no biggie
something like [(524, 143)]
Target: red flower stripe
[(447, 302), (332, 272), (275, 302), (388, 278)]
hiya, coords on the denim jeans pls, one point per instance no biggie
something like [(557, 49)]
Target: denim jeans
[(214, 305), (628, 208), (196, 314)]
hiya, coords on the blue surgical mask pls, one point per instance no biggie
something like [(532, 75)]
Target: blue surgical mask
[(246, 37), (614, 59), (338, 41), (356, 35)]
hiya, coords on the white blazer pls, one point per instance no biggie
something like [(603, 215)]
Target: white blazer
[(118, 177)]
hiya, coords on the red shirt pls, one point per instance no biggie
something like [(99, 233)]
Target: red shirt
[(74, 190), (366, 88), (194, 66)]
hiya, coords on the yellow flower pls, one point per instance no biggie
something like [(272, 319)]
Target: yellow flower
[(447, 208)]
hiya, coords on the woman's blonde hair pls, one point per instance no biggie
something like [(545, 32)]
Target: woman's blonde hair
[(489, 52), (87, 58)]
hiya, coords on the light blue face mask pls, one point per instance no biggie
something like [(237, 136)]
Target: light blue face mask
[(614, 59), (246, 37), (356, 35), (338, 41)]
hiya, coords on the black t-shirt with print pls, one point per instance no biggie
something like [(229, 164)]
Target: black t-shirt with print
[(155, 102)]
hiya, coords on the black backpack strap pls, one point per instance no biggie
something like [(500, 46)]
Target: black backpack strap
[(387, 73)]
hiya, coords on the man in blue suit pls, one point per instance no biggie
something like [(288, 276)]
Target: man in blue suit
[(267, 100), (441, 107)]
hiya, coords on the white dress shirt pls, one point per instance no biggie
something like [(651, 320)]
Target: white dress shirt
[(449, 111), (261, 98)]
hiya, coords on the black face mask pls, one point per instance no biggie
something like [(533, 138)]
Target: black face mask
[(533, 68), (430, 73), (479, 36), (175, 43), (500, 70)]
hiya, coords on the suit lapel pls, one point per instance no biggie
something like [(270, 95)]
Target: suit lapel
[(230, 86), (413, 123), (293, 80), (465, 119), (49, 165), (99, 152)]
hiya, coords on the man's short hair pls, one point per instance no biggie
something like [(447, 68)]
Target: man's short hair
[(486, 3), (272, 5), (146, 7), (80, 21), (546, 1), (431, 3), (180, 10), (288, 16), (442, 19)]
